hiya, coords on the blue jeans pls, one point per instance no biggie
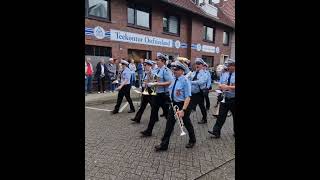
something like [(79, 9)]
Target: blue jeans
[(133, 79), (88, 83), (111, 86), (140, 79)]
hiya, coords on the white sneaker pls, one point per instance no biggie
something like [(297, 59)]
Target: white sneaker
[(104, 91), (99, 92)]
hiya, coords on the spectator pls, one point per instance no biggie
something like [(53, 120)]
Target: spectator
[(88, 75), (133, 69), (112, 74), (140, 72), (101, 70)]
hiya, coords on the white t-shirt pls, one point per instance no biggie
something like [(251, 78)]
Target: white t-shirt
[(102, 69)]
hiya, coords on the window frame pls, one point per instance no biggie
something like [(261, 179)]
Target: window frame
[(135, 7), (167, 15), (205, 39), (108, 19), (205, 58), (228, 40)]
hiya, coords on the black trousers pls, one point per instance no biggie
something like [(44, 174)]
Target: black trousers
[(223, 112), (124, 91), (171, 122), (163, 100), (144, 102), (198, 99), (206, 98), (101, 83)]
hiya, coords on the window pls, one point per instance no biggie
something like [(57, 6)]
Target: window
[(97, 51), (137, 54), (171, 24), (226, 38), (208, 33), (139, 15), (99, 9), (209, 60)]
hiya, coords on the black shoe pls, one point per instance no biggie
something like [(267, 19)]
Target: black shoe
[(216, 135), (216, 116), (132, 119), (115, 111), (131, 111), (190, 145), (145, 134), (160, 148), (202, 122)]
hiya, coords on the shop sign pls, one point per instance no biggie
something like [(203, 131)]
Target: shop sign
[(128, 37), (210, 49)]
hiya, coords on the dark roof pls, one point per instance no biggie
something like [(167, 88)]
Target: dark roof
[(191, 7)]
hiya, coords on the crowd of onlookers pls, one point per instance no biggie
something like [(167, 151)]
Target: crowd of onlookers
[(106, 74)]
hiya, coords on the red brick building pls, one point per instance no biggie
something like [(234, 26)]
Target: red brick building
[(143, 28)]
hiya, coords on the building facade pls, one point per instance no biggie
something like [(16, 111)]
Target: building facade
[(142, 29)]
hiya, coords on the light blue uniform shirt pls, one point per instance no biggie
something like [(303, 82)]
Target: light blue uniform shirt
[(182, 89), (126, 75), (165, 75), (200, 83), (223, 77), (209, 78), (229, 94)]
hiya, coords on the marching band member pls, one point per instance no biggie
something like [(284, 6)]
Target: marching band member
[(145, 98), (206, 94), (228, 87), (180, 92), (124, 87), (162, 98), (198, 80)]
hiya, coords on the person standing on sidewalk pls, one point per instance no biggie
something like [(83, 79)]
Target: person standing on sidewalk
[(164, 76), (228, 88), (112, 74), (180, 92), (133, 69), (124, 88), (198, 81), (100, 75), (140, 72), (89, 73)]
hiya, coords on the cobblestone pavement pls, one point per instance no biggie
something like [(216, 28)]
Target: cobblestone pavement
[(115, 150)]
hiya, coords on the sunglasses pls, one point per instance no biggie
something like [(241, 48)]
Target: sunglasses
[(198, 63)]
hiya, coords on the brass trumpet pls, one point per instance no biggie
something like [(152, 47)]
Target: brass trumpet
[(180, 121)]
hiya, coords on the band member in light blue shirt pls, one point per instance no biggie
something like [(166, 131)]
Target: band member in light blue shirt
[(124, 87), (180, 92), (228, 88), (198, 80)]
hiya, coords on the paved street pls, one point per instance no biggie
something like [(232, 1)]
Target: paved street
[(115, 150)]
